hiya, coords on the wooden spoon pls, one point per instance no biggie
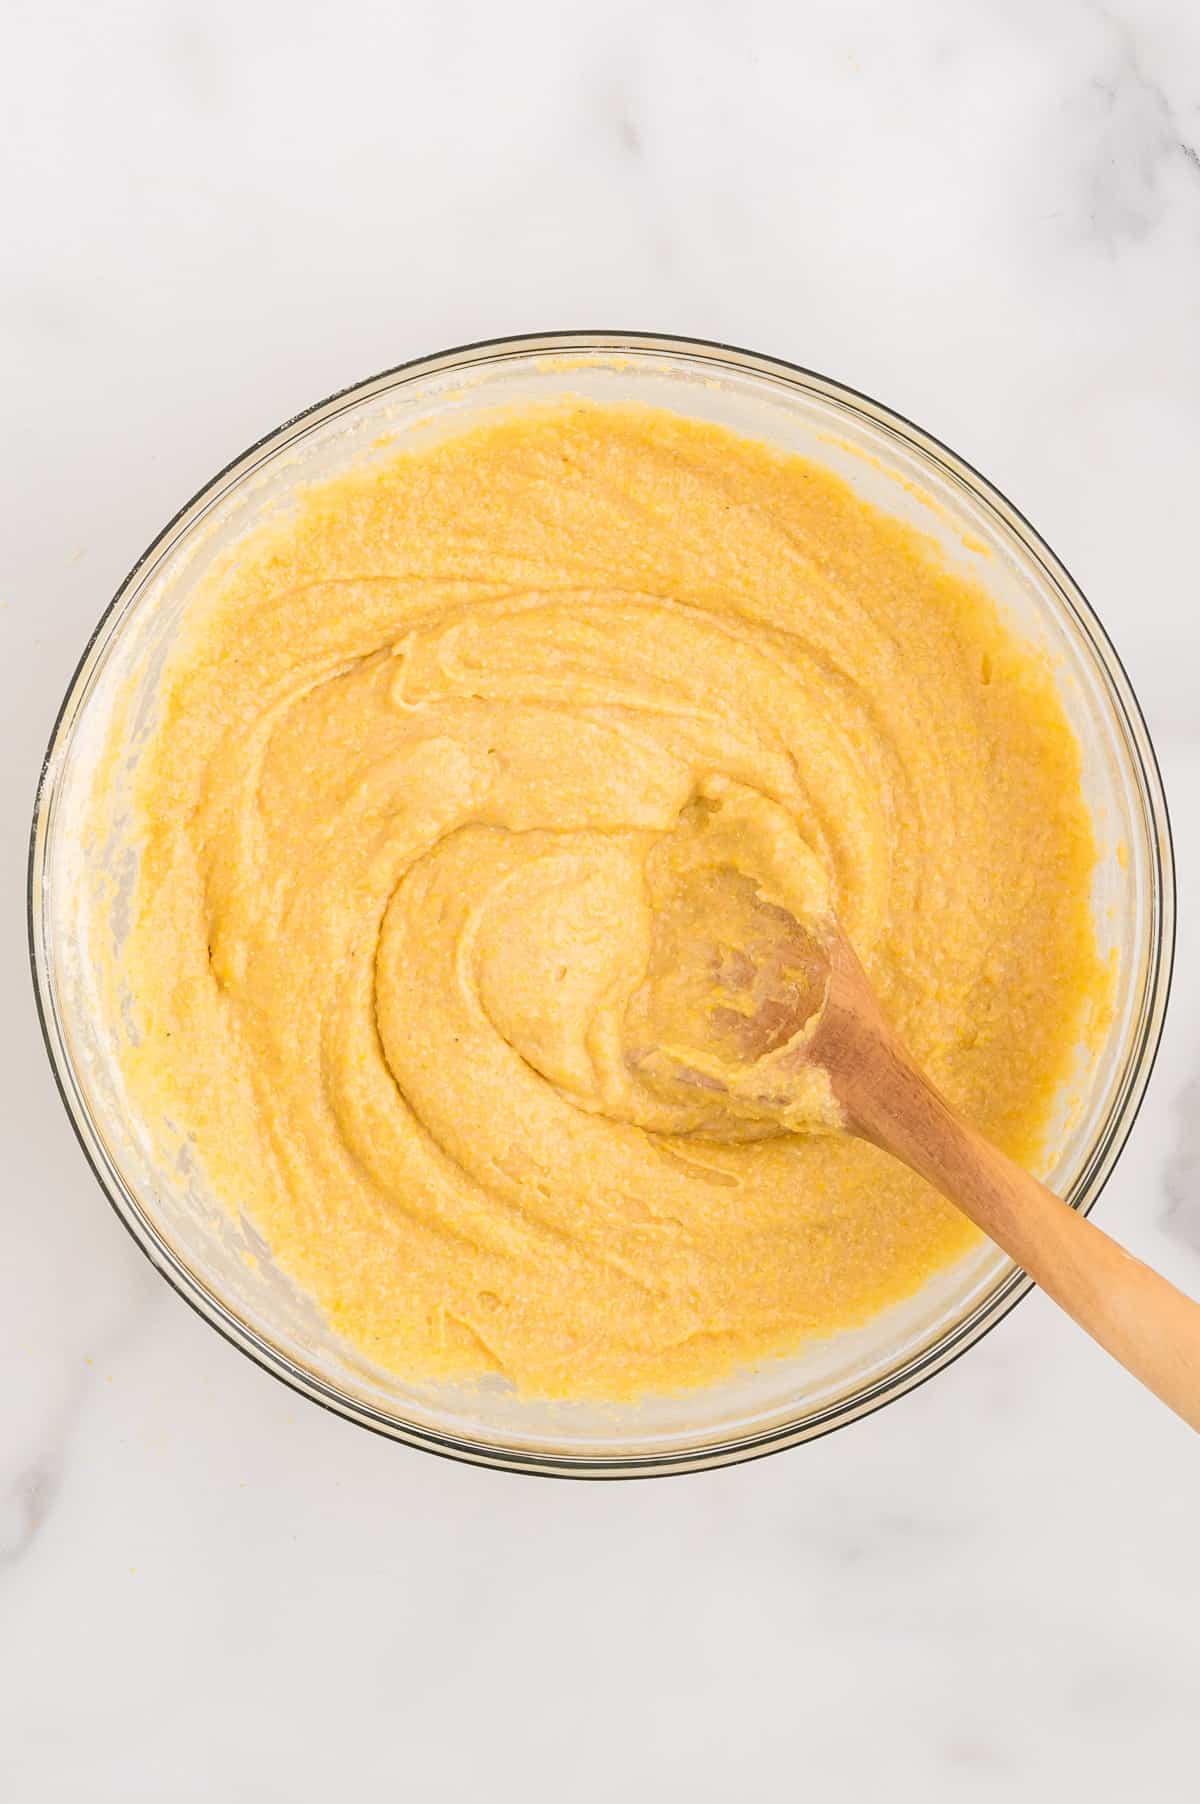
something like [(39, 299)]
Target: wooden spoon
[(1152, 1328), (1141, 1319)]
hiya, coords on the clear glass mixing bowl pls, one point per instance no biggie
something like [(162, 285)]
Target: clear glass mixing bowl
[(80, 883)]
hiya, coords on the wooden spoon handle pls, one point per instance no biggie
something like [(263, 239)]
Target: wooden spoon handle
[(1137, 1315)]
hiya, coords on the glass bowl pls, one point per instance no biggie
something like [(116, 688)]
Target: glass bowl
[(80, 883)]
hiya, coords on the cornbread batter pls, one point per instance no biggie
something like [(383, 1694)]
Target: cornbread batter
[(434, 759)]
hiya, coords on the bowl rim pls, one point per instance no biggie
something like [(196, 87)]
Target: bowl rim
[(912, 1372)]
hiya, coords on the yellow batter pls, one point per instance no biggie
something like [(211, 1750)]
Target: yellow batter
[(434, 747)]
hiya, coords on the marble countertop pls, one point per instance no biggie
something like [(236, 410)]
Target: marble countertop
[(989, 217)]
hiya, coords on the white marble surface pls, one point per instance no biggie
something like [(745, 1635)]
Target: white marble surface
[(990, 217)]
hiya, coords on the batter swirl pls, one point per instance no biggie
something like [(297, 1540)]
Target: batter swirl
[(427, 752)]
